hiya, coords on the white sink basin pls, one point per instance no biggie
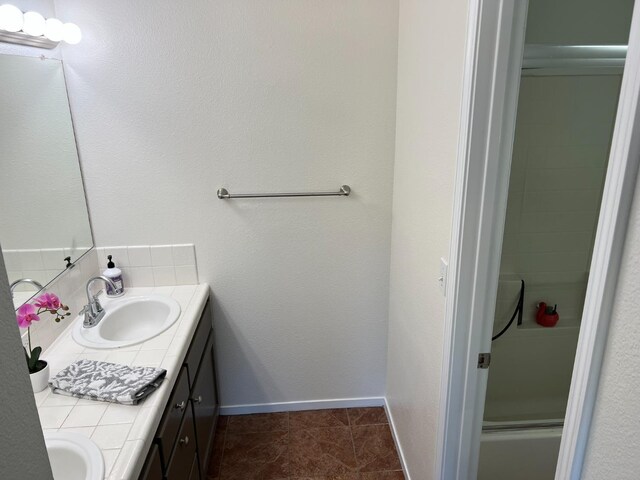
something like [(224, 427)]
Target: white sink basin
[(128, 321), (74, 457)]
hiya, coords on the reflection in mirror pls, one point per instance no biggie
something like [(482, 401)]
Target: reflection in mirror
[(43, 214)]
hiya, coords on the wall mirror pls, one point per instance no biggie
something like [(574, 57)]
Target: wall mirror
[(43, 210)]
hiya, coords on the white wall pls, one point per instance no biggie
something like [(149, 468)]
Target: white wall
[(21, 443), (613, 440), (171, 102), (429, 95)]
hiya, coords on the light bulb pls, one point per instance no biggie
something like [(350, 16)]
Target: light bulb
[(53, 29), (11, 18), (34, 24), (71, 33)]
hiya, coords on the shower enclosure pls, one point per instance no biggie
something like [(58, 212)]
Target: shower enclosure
[(567, 104)]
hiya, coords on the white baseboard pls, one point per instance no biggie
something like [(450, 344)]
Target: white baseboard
[(304, 405), (396, 440)]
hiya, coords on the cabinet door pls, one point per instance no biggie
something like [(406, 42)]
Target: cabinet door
[(205, 404), (195, 471), (173, 414), (181, 462), (152, 469), (198, 342)]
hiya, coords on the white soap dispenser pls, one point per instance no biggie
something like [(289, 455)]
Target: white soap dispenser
[(115, 275)]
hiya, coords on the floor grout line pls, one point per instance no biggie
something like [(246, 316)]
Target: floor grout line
[(353, 444)]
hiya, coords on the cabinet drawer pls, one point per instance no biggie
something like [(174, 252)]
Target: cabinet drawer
[(180, 464), (198, 342), (177, 406)]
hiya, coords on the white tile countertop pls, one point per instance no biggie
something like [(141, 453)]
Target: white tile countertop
[(123, 432)]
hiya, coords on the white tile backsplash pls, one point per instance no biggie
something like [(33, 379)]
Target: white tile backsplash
[(161, 255), (139, 256), (70, 287), (40, 264), (153, 265), (135, 263), (184, 255), (135, 276), (164, 276), (31, 260), (120, 256)]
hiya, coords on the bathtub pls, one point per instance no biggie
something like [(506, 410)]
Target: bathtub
[(522, 450)]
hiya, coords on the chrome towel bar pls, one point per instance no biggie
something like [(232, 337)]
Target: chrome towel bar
[(344, 191)]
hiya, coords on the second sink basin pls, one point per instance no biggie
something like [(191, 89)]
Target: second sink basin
[(73, 456), (128, 321)]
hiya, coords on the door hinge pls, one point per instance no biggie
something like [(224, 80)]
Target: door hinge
[(484, 360)]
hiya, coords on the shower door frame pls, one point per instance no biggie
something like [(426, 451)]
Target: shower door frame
[(493, 62)]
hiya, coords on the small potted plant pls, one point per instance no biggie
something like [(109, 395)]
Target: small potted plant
[(26, 315)]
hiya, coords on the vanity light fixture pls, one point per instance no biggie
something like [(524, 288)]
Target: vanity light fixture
[(32, 29)]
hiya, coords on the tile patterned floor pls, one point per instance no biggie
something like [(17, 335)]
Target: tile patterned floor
[(337, 444)]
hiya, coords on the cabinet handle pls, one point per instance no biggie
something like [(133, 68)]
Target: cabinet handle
[(198, 399), (181, 405), (184, 441)]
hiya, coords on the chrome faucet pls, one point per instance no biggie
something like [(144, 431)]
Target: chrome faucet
[(93, 311), (35, 283)]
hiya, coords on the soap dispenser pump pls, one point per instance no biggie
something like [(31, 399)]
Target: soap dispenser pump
[(115, 275)]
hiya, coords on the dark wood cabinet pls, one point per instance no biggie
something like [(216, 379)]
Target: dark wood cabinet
[(185, 453), (181, 446), (196, 473), (205, 404), (153, 466), (174, 414)]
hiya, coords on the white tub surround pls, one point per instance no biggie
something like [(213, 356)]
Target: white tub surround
[(123, 432), (525, 454)]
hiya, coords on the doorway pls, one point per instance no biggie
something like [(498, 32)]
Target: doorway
[(567, 103), (537, 224)]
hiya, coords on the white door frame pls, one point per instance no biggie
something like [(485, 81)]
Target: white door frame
[(490, 90)]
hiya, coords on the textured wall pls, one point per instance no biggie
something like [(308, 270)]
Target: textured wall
[(429, 95), (613, 440), (171, 102), (23, 451)]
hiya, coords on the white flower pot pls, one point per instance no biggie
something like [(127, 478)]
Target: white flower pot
[(40, 380)]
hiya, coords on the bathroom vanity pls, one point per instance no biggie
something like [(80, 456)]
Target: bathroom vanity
[(168, 435), (183, 441)]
